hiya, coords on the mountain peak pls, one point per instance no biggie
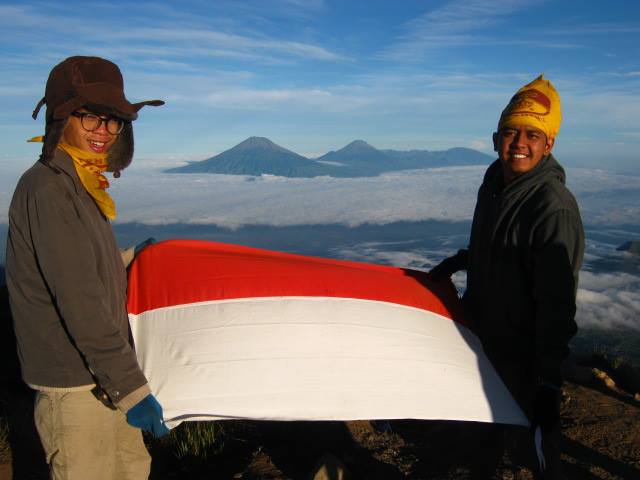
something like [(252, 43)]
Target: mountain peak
[(256, 142), (257, 156), (365, 158), (358, 145)]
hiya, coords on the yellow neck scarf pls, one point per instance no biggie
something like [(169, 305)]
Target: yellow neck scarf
[(90, 167)]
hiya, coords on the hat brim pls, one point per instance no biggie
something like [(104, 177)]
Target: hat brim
[(103, 96)]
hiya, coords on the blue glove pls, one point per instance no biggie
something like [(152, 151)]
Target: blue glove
[(147, 415), (138, 248)]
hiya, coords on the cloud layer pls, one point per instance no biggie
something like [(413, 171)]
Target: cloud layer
[(608, 300), (434, 194), (144, 195)]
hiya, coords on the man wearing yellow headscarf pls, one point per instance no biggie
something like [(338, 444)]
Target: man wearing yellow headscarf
[(522, 263)]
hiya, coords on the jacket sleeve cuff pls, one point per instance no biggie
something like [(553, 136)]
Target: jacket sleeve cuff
[(127, 256), (461, 259), (133, 398)]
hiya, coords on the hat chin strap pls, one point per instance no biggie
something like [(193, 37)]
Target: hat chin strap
[(36, 110), (121, 152), (52, 135)]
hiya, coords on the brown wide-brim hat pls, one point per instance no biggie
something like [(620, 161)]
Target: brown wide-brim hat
[(88, 81), (94, 83)]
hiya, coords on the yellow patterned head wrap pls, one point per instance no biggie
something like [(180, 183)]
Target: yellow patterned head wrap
[(537, 104)]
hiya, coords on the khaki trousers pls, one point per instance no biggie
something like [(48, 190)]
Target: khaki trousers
[(83, 439)]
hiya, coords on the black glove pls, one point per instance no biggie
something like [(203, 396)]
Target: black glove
[(546, 407), (449, 266)]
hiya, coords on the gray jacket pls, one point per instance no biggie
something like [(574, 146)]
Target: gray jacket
[(67, 288)]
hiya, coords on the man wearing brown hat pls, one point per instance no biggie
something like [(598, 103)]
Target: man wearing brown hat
[(67, 282), (525, 251)]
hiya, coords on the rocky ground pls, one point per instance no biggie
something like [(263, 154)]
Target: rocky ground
[(600, 426)]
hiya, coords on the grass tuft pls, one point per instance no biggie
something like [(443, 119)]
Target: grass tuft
[(194, 439)]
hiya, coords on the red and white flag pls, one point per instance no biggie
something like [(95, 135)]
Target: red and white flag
[(225, 332)]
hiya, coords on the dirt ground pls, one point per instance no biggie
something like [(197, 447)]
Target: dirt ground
[(600, 427)]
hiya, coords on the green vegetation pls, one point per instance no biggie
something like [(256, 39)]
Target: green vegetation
[(194, 439)]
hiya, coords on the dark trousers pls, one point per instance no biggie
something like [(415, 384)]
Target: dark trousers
[(494, 439)]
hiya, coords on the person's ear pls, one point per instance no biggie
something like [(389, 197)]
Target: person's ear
[(495, 141), (549, 145)]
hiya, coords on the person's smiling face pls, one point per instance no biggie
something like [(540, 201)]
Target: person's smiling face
[(520, 149), (96, 141)]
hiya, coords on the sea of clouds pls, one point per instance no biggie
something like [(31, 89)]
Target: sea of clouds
[(605, 198), (145, 194), (152, 197)]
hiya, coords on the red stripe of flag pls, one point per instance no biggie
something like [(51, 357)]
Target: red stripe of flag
[(179, 272)]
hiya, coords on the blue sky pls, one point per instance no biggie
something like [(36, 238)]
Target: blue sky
[(315, 75)]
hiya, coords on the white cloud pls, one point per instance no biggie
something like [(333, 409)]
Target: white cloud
[(605, 197), (457, 23), (189, 42), (465, 15), (18, 16), (184, 39), (232, 201), (405, 255), (314, 5), (609, 300), (604, 28), (594, 107), (256, 99)]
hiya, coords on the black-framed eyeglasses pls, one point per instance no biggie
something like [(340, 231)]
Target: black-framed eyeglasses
[(91, 121)]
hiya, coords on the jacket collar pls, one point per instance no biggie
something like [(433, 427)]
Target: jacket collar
[(62, 162), (548, 167)]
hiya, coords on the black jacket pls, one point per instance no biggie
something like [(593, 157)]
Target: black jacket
[(525, 252)]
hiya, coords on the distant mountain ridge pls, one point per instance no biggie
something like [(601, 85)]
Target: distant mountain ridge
[(260, 156)]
